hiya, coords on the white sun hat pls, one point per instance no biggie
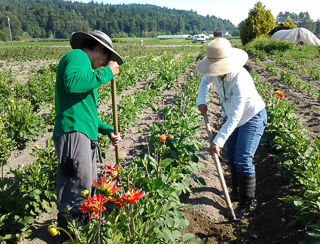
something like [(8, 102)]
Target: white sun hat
[(221, 58)]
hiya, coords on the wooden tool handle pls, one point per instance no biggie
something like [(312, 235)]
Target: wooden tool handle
[(115, 114), (219, 169)]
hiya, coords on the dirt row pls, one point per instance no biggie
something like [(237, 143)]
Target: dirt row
[(307, 108)]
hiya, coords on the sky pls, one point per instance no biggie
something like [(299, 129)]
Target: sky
[(233, 10)]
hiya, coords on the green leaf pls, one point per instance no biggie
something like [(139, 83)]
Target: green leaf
[(191, 238), (201, 156), (37, 192), (29, 219), (164, 163)]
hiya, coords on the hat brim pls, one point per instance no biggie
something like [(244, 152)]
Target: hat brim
[(77, 39), (223, 66)]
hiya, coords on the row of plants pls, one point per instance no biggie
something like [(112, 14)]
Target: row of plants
[(162, 173), (40, 203), (286, 54), (265, 47), (299, 158), (41, 51), (311, 71), (20, 103), (291, 79)]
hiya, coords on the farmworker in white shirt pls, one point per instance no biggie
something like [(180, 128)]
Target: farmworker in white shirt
[(245, 115)]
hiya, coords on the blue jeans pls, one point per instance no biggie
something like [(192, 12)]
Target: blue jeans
[(243, 143)]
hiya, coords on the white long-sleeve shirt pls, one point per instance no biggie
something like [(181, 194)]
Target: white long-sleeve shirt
[(240, 100)]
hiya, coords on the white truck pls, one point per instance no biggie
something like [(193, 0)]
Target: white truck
[(199, 38)]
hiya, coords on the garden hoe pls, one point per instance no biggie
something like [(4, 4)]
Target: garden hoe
[(220, 173), (115, 114)]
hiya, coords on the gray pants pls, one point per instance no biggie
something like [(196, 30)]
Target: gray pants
[(77, 166)]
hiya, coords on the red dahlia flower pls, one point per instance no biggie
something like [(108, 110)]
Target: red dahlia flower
[(112, 171), (107, 188), (131, 197), (93, 204), (163, 138), (280, 94)]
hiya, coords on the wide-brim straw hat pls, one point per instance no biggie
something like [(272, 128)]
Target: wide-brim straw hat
[(77, 39), (221, 58)]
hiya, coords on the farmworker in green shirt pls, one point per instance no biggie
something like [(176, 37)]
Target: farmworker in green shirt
[(77, 124), (245, 114)]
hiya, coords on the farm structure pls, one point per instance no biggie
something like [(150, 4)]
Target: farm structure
[(220, 34), (297, 35), (173, 36)]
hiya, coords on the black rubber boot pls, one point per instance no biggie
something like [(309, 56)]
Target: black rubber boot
[(247, 203), (62, 223), (234, 195)]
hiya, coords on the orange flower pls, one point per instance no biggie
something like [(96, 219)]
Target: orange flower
[(107, 188), (93, 204), (280, 94), (112, 171), (131, 196), (163, 138)]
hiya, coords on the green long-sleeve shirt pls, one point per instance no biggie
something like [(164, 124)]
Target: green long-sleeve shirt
[(76, 96)]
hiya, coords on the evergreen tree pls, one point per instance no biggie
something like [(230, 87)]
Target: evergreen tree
[(259, 22), (317, 27), (289, 23)]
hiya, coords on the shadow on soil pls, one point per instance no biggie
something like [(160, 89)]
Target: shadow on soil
[(268, 225)]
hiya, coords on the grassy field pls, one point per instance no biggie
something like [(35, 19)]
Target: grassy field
[(126, 41)]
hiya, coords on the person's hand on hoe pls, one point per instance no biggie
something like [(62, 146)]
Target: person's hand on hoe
[(213, 148), (202, 108), (115, 139), (114, 66)]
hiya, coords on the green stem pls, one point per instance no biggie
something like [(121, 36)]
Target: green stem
[(59, 228), (100, 217), (114, 204), (154, 237), (134, 238)]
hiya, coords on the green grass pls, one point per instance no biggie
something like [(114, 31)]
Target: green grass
[(285, 49), (45, 42), (118, 41)]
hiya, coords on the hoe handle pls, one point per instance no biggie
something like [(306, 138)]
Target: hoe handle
[(220, 173), (115, 114)]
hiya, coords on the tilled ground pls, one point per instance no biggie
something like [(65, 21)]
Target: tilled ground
[(209, 217)]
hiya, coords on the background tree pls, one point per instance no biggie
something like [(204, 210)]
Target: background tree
[(317, 27), (240, 25), (235, 32), (289, 23), (259, 22), (301, 20), (59, 18), (305, 21)]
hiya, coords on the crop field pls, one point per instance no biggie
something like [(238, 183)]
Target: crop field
[(156, 95)]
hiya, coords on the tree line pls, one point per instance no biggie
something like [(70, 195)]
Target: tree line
[(301, 20), (59, 18), (261, 22)]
